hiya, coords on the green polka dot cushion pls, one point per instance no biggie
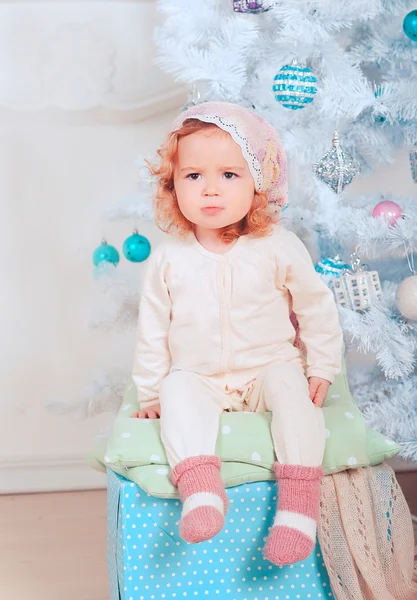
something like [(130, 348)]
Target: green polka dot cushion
[(134, 448)]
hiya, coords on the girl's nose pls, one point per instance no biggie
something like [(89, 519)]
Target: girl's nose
[(210, 188)]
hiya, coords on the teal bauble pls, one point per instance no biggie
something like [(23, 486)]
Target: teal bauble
[(136, 248), (410, 25), (331, 267), (105, 253), (295, 86)]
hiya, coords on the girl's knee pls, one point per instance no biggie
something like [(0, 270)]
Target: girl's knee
[(283, 372), (284, 377), (181, 387), (177, 379)]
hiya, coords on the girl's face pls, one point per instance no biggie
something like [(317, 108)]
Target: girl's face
[(212, 181)]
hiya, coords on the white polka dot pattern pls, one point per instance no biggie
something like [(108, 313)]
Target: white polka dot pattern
[(149, 561), (162, 471)]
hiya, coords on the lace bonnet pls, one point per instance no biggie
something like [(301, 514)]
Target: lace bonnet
[(260, 144)]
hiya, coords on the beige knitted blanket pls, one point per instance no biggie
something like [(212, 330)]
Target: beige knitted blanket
[(366, 536)]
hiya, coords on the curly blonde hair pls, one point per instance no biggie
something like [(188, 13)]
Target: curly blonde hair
[(168, 216)]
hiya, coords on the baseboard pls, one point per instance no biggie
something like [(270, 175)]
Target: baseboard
[(399, 464), (29, 474)]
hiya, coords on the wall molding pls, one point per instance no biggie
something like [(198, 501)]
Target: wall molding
[(29, 474), (172, 99), (69, 472)]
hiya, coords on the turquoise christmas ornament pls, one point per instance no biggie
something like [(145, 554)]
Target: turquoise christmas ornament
[(410, 25), (331, 267), (105, 253), (294, 86), (136, 248)]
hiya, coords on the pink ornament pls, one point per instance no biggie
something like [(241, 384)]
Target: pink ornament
[(389, 210)]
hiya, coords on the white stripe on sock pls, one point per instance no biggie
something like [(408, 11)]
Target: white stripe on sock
[(295, 520), (202, 499)]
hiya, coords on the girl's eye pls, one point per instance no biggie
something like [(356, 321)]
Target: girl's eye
[(230, 175), (193, 176)]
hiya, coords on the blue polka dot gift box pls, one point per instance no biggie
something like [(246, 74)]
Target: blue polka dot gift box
[(149, 561)]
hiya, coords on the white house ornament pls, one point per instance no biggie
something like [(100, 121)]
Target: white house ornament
[(357, 288)]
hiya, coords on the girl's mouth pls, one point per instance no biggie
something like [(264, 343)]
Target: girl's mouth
[(211, 210)]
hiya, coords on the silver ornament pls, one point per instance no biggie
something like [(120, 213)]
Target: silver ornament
[(251, 6), (407, 298), (337, 168), (194, 97), (413, 163)]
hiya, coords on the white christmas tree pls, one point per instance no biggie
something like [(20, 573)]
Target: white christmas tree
[(312, 68), (353, 66)]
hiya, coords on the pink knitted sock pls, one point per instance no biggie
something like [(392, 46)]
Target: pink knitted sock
[(204, 500), (293, 535)]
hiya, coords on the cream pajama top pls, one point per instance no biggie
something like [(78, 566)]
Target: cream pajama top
[(213, 314)]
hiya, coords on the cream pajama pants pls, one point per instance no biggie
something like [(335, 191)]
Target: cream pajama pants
[(191, 405)]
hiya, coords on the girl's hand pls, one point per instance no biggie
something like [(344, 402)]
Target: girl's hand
[(318, 390), (153, 412)]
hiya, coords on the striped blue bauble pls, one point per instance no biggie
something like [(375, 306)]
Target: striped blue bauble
[(295, 86), (330, 267)]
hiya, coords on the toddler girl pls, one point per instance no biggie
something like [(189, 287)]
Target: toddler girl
[(215, 331)]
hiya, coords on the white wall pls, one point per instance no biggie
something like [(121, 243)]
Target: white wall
[(80, 98), (55, 182)]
